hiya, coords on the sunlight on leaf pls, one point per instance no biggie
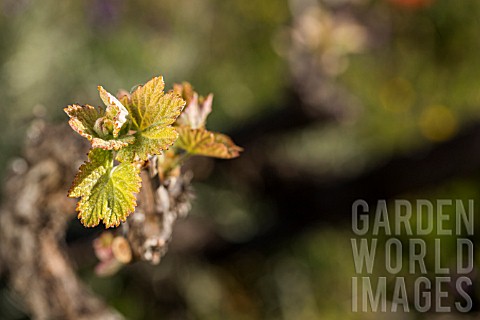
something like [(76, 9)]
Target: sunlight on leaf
[(115, 110), (153, 112), (108, 192), (92, 124), (207, 143), (197, 109), (149, 142), (83, 118), (150, 106)]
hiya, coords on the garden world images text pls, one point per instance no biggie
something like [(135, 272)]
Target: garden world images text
[(423, 249)]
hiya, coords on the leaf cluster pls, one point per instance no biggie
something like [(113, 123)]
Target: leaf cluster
[(133, 128)]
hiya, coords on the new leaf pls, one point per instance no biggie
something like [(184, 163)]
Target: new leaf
[(153, 112), (206, 143), (107, 191), (99, 126), (197, 109), (115, 110)]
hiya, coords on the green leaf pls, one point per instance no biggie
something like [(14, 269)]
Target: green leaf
[(91, 123), (113, 144), (89, 172), (107, 191), (149, 142), (206, 143), (83, 118), (153, 112), (151, 106)]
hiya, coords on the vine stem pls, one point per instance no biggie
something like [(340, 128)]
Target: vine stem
[(33, 221)]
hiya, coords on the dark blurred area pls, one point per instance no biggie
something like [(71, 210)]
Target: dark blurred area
[(332, 100)]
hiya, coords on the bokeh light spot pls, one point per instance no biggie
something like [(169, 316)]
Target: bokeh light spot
[(438, 123)]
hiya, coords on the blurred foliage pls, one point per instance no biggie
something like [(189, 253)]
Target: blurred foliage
[(413, 80), (415, 83), (52, 52)]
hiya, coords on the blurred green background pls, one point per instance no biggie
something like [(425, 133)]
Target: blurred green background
[(354, 86)]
